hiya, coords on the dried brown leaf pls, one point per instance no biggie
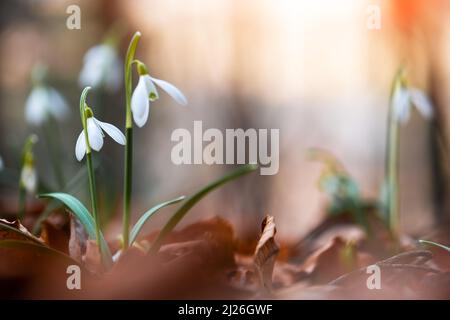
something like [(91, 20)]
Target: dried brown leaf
[(78, 239), (266, 252)]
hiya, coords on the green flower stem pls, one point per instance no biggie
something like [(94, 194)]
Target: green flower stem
[(127, 186), (392, 173), (93, 191), (128, 176), (391, 165), (22, 201)]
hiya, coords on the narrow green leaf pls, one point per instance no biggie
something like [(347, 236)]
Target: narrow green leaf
[(72, 186), (192, 200), (147, 215), (30, 237), (86, 220), (434, 244), (36, 248)]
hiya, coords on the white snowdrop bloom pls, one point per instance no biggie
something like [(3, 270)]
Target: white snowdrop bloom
[(404, 98), (102, 68), (145, 92), (42, 102), (95, 130), (28, 178)]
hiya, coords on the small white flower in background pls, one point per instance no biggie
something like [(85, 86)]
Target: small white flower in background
[(42, 102), (28, 175), (405, 98), (145, 92), (28, 178), (102, 68), (95, 130)]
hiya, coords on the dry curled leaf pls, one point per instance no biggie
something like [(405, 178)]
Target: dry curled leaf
[(266, 252), (78, 239), (8, 231)]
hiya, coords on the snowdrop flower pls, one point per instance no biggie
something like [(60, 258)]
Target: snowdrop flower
[(405, 97), (28, 175), (102, 68), (28, 178), (42, 102), (95, 130), (145, 92)]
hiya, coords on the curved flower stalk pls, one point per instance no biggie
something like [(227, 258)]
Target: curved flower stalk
[(145, 92), (102, 67), (137, 108), (44, 101), (403, 98), (28, 176)]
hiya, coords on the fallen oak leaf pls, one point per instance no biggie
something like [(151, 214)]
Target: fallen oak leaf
[(266, 252)]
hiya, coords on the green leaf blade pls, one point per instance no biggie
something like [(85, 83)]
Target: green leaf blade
[(147, 215), (80, 211), (192, 200), (435, 244)]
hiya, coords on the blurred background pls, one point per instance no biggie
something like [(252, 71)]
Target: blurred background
[(312, 69)]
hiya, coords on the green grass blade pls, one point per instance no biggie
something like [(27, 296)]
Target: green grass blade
[(434, 244), (147, 215), (36, 248), (192, 200), (86, 220), (30, 237)]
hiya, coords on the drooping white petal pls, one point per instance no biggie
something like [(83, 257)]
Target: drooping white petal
[(152, 93), (28, 178), (95, 134), (422, 103), (140, 103), (36, 106), (173, 91), (112, 131), (401, 103), (57, 104), (80, 146), (142, 119)]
